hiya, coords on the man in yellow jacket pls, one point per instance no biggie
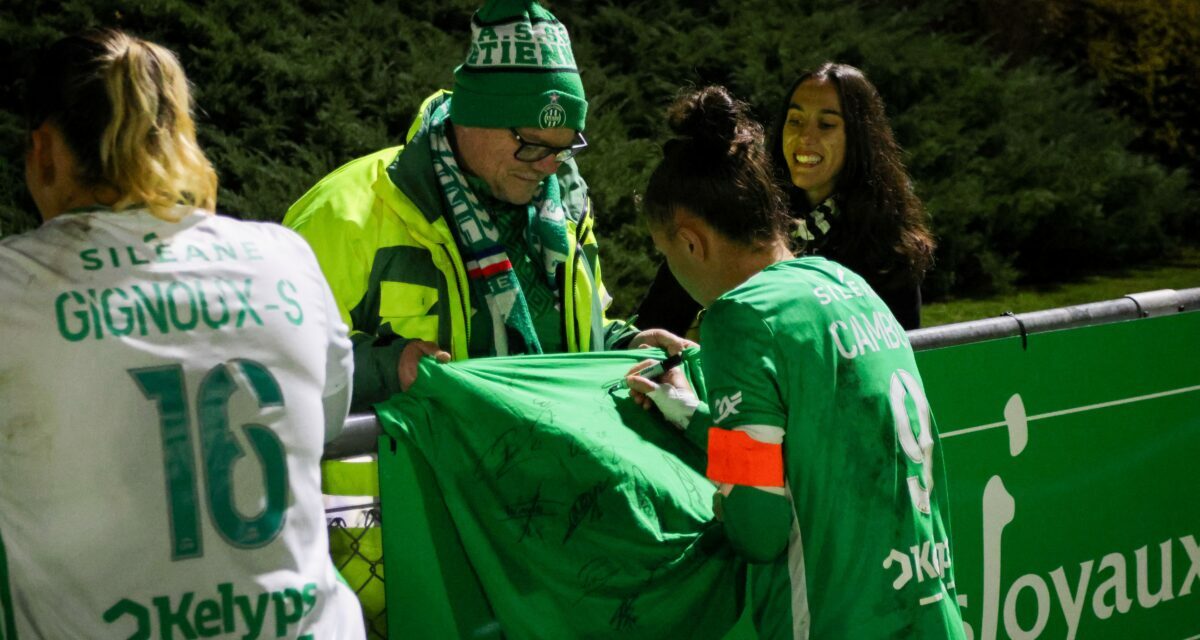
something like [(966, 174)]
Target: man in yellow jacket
[(475, 238)]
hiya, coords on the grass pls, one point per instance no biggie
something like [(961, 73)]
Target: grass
[(1182, 272)]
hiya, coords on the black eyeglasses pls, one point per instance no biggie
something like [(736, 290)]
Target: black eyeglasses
[(534, 151)]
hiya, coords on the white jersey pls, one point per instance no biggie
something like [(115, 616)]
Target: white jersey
[(166, 391)]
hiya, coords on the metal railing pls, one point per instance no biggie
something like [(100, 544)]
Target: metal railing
[(362, 430), (358, 437), (1133, 306), (1130, 307)]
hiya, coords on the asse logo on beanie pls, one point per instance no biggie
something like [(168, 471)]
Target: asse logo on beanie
[(520, 71), (552, 115)]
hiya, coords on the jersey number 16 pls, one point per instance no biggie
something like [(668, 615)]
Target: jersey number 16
[(219, 450)]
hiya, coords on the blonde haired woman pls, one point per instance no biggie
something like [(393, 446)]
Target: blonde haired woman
[(167, 382)]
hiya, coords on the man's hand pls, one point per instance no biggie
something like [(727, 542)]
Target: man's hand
[(662, 339), (410, 358), (671, 393)]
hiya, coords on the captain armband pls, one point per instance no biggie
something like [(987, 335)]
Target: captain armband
[(736, 458)]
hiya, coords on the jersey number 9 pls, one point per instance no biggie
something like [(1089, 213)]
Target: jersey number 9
[(918, 444)]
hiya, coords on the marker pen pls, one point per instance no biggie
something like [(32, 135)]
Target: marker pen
[(652, 372)]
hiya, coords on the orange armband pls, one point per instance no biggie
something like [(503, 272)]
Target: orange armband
[(736, 458)]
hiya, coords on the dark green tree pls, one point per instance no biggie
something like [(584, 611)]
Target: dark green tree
[(1025, 178)]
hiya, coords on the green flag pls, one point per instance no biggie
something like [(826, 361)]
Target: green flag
[(582, 514)]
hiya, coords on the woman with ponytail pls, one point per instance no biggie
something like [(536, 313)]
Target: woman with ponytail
[(819, 438), (168, 379), (117, 109)]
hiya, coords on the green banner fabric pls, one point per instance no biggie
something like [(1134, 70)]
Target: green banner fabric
[(1072, 464), (581, 514)]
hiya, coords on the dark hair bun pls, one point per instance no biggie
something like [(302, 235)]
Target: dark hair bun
[(716, 168), (711, 118)]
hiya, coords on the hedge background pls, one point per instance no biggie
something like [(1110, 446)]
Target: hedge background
[(1027, 175)]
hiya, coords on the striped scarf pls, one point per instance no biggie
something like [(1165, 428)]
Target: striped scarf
[(812, 227), (488, 267)]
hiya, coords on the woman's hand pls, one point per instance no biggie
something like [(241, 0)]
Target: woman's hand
[(671, 393)]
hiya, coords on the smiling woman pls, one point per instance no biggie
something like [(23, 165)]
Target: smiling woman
[(814, 138), (851, 196)]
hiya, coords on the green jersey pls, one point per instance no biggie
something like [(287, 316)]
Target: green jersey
[(809, 373), (582, 515)]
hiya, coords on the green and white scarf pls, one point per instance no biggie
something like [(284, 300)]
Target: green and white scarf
[(488, 267), (811, 228)]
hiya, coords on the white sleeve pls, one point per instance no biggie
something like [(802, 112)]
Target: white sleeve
[(339, 368)]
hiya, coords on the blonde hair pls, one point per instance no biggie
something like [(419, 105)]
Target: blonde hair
[(146, 147)]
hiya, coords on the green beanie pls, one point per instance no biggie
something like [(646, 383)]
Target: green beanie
[(520, 71)]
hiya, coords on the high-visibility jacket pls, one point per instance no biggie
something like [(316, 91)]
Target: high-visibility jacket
[(379, 227)]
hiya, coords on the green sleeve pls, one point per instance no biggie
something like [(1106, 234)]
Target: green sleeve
[(758, 524), (619, 333), (697, 429), (738, 360), (376, 368)]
